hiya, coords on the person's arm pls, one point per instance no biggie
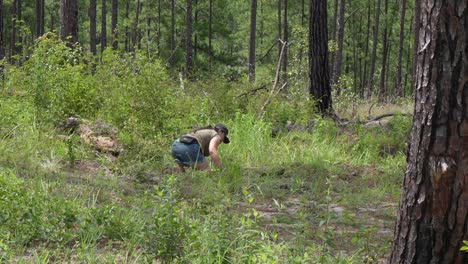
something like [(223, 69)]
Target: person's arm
[(213, 148)]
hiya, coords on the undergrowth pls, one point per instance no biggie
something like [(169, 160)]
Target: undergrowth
[(320, 195)]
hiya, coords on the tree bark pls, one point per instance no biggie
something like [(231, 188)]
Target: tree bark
[(286, 40), (127, 31), (136, 41), (158, 38), (39, 18), (319, 75), (210, 32), (417, 18), (433, 214), (370, 82), (339, 52), (2, 41), (280, 46), (114, 19), (69, 20), (384, 54), (188, 39), (103, 25), (398, 88), (172, 56), (253, 29), (14, 14), (92, 26)]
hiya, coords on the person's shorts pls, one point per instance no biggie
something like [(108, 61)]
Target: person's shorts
[(187, 154)]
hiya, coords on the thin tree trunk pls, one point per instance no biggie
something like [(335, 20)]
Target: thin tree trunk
[(14, 15), (319, 75), (433, 215), (286, 40), (417, 18), (172, 56), (158, 38), (2, 41), (384, 54), (370, 82), (114, 19), (103, 25), (210, 33), (136, 41), (398, 88), (127, 32), (92, 26), (188, 39), (253, 29), (334, 22), (195, 35), (339, 52), (280, 46), (366, 51)]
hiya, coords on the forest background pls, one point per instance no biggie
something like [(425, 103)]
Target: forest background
[(297, 187)]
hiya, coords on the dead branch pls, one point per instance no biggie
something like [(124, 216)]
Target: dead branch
[(272, 91), (253, 91)]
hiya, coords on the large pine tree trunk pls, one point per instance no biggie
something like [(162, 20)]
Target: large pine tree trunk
[(103, 25), (69, 20), (92, 26), (319, 75), (114, 19), (253, 29), (188, 39), (433, 215), (370, 82), (398, 88)]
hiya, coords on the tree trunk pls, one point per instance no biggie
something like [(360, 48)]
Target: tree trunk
[(92, 26), (210, 32), (384, 54), (433, 214), (69, 20), (14, 15), (319, 76), (366, 51), (398, 88), (370, 82), (279, 28), (334, 22), (286, 40), (103, 25), (339, 52), (136, 41), (2, 41), (188, 39), (158, 38), (39, 18), (127, 31), (253, 29), (172, 56), (417, 18), (114, 19)]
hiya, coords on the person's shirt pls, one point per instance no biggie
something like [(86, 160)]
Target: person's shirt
[(203, 137)]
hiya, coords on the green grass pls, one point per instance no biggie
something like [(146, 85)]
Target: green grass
[(329, 196)]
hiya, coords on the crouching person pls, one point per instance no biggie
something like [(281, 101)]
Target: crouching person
[(191, 149)]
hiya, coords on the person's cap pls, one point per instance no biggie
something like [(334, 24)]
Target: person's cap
[(226, 132)]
